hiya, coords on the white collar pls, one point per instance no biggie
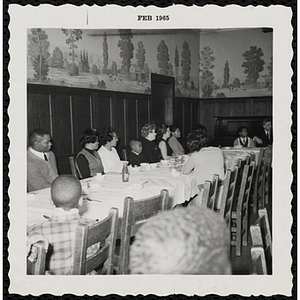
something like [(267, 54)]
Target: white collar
[(134, 152), (39, 154), (58, 211)]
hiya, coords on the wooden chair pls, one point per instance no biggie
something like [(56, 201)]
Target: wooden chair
[(103, 232), (36, 261), (258, 180), (266, 177), (241, 214), (135, 214), (228, 194), (210, 192), (73, 166), (259, 265)]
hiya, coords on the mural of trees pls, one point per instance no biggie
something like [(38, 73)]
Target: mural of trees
[(163, 57), (206, 75), (270, 67), (105, 54), (126, 47), (170, 70), (147, 71), (226, 75), (253, 64), (57, 61), (185, 63), (38, 46), (84, 65), (176, 61), (114, 69), (140, 55), (73, 35)]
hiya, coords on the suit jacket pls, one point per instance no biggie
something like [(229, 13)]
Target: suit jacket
[(266, 141), (135, 159)]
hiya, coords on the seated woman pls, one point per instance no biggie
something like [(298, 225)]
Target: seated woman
[(163, 133), (109, 155), (173, 141), (150, 149), (88, 160), (205, 161)]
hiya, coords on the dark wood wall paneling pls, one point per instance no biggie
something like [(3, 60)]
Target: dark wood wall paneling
[(65, 112)]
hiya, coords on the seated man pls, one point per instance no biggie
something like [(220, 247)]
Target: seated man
[(60, 228), (243, 140), (135, 156), (182, 241), (41, 162), (264, 138)]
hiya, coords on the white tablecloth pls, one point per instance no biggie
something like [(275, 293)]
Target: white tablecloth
[(111, 192)]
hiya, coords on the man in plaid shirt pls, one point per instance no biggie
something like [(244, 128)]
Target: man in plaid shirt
[(60, 228)]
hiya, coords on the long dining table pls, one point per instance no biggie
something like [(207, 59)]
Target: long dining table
[(99, 195)]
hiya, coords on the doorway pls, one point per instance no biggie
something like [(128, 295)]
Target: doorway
[(162, 90)]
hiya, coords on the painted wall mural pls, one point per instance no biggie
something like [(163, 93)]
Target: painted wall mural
[(122, 60)]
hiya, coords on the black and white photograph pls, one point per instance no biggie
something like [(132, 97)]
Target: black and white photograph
[(151, 155)]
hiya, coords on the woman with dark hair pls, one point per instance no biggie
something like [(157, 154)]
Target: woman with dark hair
[(205, 161), (163, 133), (173, 141), (150, 149), (109, 155), (88, 161)]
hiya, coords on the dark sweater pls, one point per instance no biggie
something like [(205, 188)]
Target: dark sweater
[(151, 151), (136, 159)]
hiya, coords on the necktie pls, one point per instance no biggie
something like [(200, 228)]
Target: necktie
[(45, 157)]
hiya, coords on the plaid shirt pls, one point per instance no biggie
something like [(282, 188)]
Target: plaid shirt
[(60, 232)]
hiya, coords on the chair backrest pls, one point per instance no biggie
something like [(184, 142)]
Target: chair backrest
[(103, 232), (266, 176), (73, 166), (259, 265), (135, 214), (36, 261), (258, 180), (245, 188), (228, 194), (263, 222), (210, 192)]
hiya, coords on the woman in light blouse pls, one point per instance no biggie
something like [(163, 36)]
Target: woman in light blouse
[(108, 153)]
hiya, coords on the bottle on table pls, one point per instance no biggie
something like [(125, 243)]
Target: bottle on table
[(125, 172)]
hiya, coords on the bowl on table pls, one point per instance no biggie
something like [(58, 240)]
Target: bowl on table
[(99, 177)]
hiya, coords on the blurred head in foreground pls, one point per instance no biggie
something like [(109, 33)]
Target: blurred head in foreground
[(182, 241)]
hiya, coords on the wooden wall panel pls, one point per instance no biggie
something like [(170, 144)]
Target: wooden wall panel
[(62, 140), (101, 111), (131, 121), (81, 118), (118, 117), (143, 114), (239, 109), (222, 108), (38, 112)]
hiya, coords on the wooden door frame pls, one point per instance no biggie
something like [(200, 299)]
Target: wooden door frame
[(169, 106)]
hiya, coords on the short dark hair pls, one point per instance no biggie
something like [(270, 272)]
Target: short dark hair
[(199, 128), (241, 128), (90, 135), (162, 130), (146, 129), (188, 240), (106, 135), (66, 191), (174, 127), (195, 141), (266, 120), (133, 142), (35, 133)]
